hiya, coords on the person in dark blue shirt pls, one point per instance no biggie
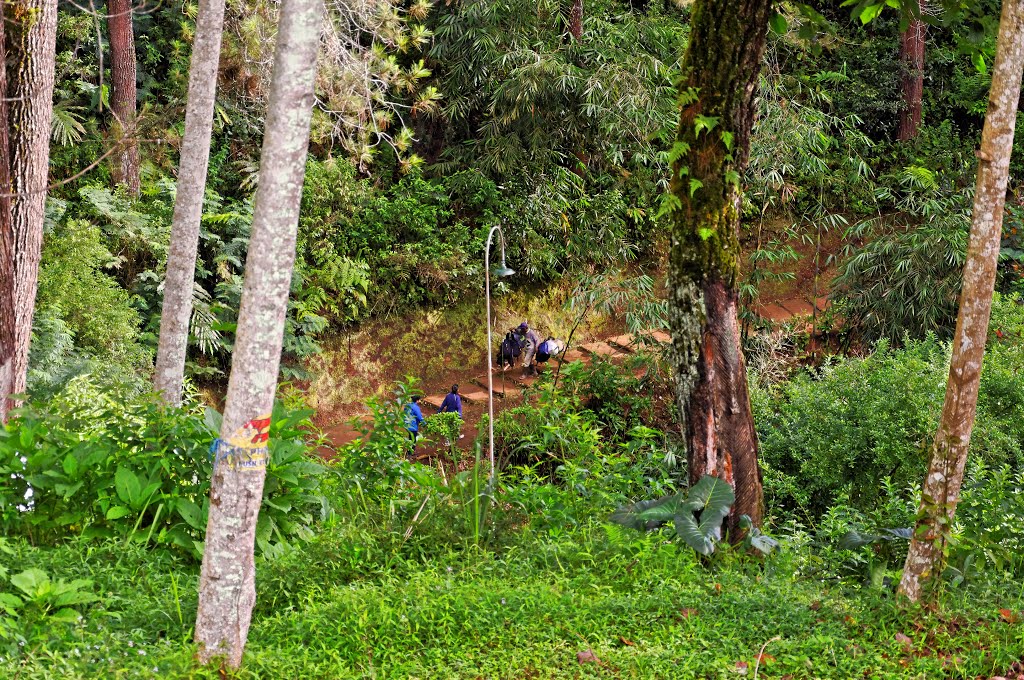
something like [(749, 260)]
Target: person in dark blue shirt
[(413, 418), (452, 402)]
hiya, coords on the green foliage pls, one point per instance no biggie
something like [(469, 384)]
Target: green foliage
[(1011, 254), (75, 287), (447, 426), (90, 463), (552, 594), (38, 603), (696, 516), (905, 279), (989, 533), (834, 436), (377, 461), (546, 434), (620, 399)]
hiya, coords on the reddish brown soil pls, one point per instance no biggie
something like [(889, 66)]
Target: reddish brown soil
[(388, 346)]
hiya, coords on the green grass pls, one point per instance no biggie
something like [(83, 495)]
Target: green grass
[(352, 605)]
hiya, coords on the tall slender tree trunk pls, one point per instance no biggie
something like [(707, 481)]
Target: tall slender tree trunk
[(30, 86), (188, 202), (720, 72), (122, 97), (941, 490), (227, 588), (7, 319), (576, 19), (912, 64)]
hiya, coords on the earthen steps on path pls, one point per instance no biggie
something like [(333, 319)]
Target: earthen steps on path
[(514, 384), (784, 310), (511, 381), (472, 396)]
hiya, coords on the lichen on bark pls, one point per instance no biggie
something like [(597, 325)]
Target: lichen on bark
[(941, 489), (720, 71)]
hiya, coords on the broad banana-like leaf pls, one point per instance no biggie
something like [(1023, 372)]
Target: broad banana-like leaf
[(687, 529), (763, 544), (712, 498), (647, 515), (855, 540)]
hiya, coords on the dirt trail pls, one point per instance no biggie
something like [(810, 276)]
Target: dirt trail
[(510, 389), (384, 348)]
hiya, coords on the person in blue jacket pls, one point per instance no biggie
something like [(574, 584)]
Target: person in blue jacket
[(452, 402), (413, 418)]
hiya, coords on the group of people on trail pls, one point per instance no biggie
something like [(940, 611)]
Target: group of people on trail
[(523, 340), (452, 403)]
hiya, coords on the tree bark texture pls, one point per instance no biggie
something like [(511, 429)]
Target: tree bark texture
[(912, 63), (941, 490), (576, 19), (122, 96), (7, 319), (188, 202), (720, 72), (30, 92), (227, 589)]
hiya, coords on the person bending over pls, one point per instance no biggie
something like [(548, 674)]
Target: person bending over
[(530, 350)]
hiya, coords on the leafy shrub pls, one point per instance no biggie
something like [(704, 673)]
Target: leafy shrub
[(92, 464), (85, 322), (621, 398), (833, 437), (447, 426), (837, 435), (72, 280), (990, 523), (546, 434), (377, 462), (38, 603), (408, 235)]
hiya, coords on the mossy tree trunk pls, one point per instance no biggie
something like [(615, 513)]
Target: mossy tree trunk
[(941, 490), (720, 73)]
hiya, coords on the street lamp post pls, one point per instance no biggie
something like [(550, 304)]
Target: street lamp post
[(503, 270)]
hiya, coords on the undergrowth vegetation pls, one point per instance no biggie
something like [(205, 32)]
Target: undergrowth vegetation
[(374, 564), (587, 553)]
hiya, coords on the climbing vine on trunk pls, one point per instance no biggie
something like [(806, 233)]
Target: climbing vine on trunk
[(716, 97)]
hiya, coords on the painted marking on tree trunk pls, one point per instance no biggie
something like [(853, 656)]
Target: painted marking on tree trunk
[(246, 449)]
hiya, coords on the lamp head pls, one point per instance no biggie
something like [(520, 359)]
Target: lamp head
[(503, 270)]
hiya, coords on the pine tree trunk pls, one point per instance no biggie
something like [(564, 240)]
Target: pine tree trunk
[(122, 97), (912, 63), (7, 320), (720, 72), (30, 83), (188, 203), (941, 490), (227, 583)]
